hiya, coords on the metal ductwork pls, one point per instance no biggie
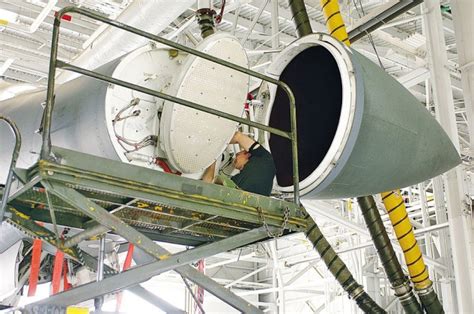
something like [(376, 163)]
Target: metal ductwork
[(151, 16), (360, 132), (300, 17)]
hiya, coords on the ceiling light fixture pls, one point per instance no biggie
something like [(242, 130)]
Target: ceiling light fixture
[(7, 17)]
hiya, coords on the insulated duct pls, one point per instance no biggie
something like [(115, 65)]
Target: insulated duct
[(339, 270), (300, 17), (334, 21), (417, 269), (151, 16), (393, 270)]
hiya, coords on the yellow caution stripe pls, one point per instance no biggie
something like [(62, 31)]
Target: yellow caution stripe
[(334, 21), (397, 212), (77, 310)]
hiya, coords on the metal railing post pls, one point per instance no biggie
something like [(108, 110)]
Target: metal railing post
[(46, 127), (15, 153)]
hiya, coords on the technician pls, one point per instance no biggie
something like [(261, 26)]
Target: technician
[(256, 165)]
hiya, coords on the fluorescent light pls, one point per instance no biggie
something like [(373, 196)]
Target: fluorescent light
[(7, 17)]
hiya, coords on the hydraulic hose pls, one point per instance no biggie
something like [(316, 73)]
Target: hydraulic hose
[(334, 21), (403, 290), (339, 270), (333, 262), (300, 17), (417, 269), (387, 255)]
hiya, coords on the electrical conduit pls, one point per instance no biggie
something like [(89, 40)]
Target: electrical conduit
[(417, 269)]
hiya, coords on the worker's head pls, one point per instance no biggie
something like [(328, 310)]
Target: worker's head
[(241, 159)]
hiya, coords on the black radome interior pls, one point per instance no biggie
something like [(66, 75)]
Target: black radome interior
[(314, 78)]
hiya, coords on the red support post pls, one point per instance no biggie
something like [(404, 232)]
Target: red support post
[(57, 272), (35, 267), (126, 265)]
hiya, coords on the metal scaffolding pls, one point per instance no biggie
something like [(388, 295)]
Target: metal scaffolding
[(145, 206), (80, 190)]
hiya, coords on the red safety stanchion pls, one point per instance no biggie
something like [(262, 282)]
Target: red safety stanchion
[(35, 267), (66, 284), (57, 272), (126, 265)]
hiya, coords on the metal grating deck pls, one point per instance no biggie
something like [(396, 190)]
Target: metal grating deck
[(163, 206)]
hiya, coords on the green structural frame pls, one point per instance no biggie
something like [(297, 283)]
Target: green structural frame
[(55, 63), (79, 178), (98, 195)]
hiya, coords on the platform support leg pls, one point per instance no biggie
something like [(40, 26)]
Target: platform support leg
[(101, 215)]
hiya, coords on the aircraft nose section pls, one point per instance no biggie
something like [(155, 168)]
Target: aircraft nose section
[(360, 132)]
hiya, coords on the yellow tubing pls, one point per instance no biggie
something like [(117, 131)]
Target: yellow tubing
[(398, 215), (334, 21), (392, 200)]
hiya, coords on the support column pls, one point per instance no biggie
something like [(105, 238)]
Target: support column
[(99, 301), (278, 279), (462, 11), (444, 105), (463, 29), (98, 213)]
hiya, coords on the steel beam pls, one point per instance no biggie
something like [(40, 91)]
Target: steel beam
[(246, 276), (142, 273), (379, 17), (464, 25), (163, 188), (92, 263), (98, 213), (326, 211), (444, 107), (154, 300)]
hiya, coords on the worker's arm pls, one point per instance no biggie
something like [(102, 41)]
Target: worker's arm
[(243, 140), (208, 175)]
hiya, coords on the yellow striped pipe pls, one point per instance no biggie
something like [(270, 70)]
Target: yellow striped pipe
[(334, 21), (398, 215), (392, 200)]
